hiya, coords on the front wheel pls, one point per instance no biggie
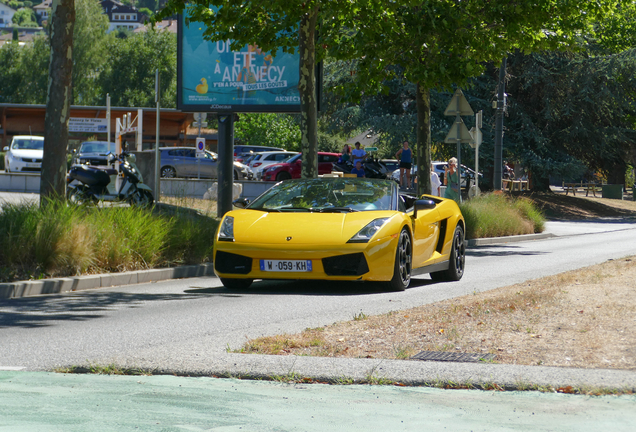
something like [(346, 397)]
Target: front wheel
[(456, 260), (236, 283), (403, 261), (281, 176), (141, 198), (79, 197)]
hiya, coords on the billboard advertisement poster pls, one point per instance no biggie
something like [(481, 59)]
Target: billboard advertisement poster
[(213, 78)]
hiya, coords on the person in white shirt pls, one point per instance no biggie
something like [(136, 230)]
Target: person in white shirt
[(435, 182), (358, 154)]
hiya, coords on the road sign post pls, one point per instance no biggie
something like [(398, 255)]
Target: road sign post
[(459, 133), (200, 154)]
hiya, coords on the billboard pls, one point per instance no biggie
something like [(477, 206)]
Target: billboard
[(213, 78)]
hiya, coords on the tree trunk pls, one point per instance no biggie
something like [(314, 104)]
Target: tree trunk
[(423, 103), (307, 90), (58, 102)]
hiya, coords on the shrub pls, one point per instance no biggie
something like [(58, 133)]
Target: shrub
[(497, 215), (61, 240)]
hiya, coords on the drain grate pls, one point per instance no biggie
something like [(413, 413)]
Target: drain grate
[(452, 357)]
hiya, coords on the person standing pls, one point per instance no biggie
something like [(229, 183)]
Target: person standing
[(358, 153), (345, 156), (435, 182), (451, 180), (405, 156)]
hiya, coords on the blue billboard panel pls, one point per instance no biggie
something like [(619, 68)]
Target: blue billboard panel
[(212, 77)]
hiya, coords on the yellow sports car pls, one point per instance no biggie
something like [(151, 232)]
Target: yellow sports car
[(352, 229)]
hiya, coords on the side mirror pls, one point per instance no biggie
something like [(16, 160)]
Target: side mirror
[(5, 149), (423, 204), (241, 202)]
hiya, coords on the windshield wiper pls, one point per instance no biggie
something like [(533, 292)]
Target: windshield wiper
[(337, 210)]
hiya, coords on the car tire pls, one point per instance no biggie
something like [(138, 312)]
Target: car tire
[(168, 172), (456, 260), (284, 175), (236, 283), (403, 263), (236, 176)]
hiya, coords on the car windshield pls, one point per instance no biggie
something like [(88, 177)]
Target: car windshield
[(328, 195), (97, 147), (28, 144), (293, 158)]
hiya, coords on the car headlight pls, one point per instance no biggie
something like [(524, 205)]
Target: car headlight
[(274, 168), (226, 232), (366, 233)]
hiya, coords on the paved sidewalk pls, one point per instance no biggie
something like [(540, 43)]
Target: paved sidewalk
[(36, 401)]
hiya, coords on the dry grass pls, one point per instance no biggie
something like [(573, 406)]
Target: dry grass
[(584, 318)]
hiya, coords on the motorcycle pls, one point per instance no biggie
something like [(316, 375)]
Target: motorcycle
[(88, 184)]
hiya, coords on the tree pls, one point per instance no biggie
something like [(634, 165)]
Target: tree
[(444, 43), (130, 65), (25, 18), (276, 130), (58, 103), (89, 49)]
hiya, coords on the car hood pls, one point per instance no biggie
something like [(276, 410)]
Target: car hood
[(253, 226), (21, 153)]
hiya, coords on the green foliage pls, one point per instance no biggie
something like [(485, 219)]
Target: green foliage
[(25, 18), (65, 240), (128, 72), (89, 44), (24, 72), (274, 130), (497, 215)]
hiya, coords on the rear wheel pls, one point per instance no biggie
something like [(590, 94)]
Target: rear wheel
[(283, 176), (456, 260), (236, 283), (403, 260), (79, 197), (168, 172), (141, 198)]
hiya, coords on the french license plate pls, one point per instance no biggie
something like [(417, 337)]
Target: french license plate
[(286, 265), (33, 165)]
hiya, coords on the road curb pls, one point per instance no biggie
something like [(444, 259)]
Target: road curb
[(509, 239), (79, 283)]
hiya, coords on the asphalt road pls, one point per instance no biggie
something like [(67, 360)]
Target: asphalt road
[(184, 325)]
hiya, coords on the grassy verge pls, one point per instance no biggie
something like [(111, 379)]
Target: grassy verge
[(60, 240), (498, 215)]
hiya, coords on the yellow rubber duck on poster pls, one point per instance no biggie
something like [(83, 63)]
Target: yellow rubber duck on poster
[(202, 88)]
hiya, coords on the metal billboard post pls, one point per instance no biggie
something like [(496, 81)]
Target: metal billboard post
[(225, 175), (157, 156)]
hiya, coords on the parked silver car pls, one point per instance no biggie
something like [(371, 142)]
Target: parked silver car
[(183, 162)]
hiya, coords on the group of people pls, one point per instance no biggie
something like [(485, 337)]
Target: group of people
[(405, 155), (355, 156)]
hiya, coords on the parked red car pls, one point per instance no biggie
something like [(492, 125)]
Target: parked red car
[(291, 168)]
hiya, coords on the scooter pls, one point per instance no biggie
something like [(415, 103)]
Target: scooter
[(88, 184)]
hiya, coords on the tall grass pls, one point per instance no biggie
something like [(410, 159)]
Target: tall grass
[(61, 240), (497, 215)]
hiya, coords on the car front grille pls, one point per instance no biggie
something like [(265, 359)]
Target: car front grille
[(226, 262), (346, 265), (31, 160)]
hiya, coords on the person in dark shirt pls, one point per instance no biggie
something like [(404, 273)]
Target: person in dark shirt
[(405, 156)]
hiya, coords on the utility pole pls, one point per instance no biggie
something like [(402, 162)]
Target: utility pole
[(499, 122)]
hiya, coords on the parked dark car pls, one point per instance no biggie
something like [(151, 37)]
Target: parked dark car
[(94, 153), (183, 162)]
